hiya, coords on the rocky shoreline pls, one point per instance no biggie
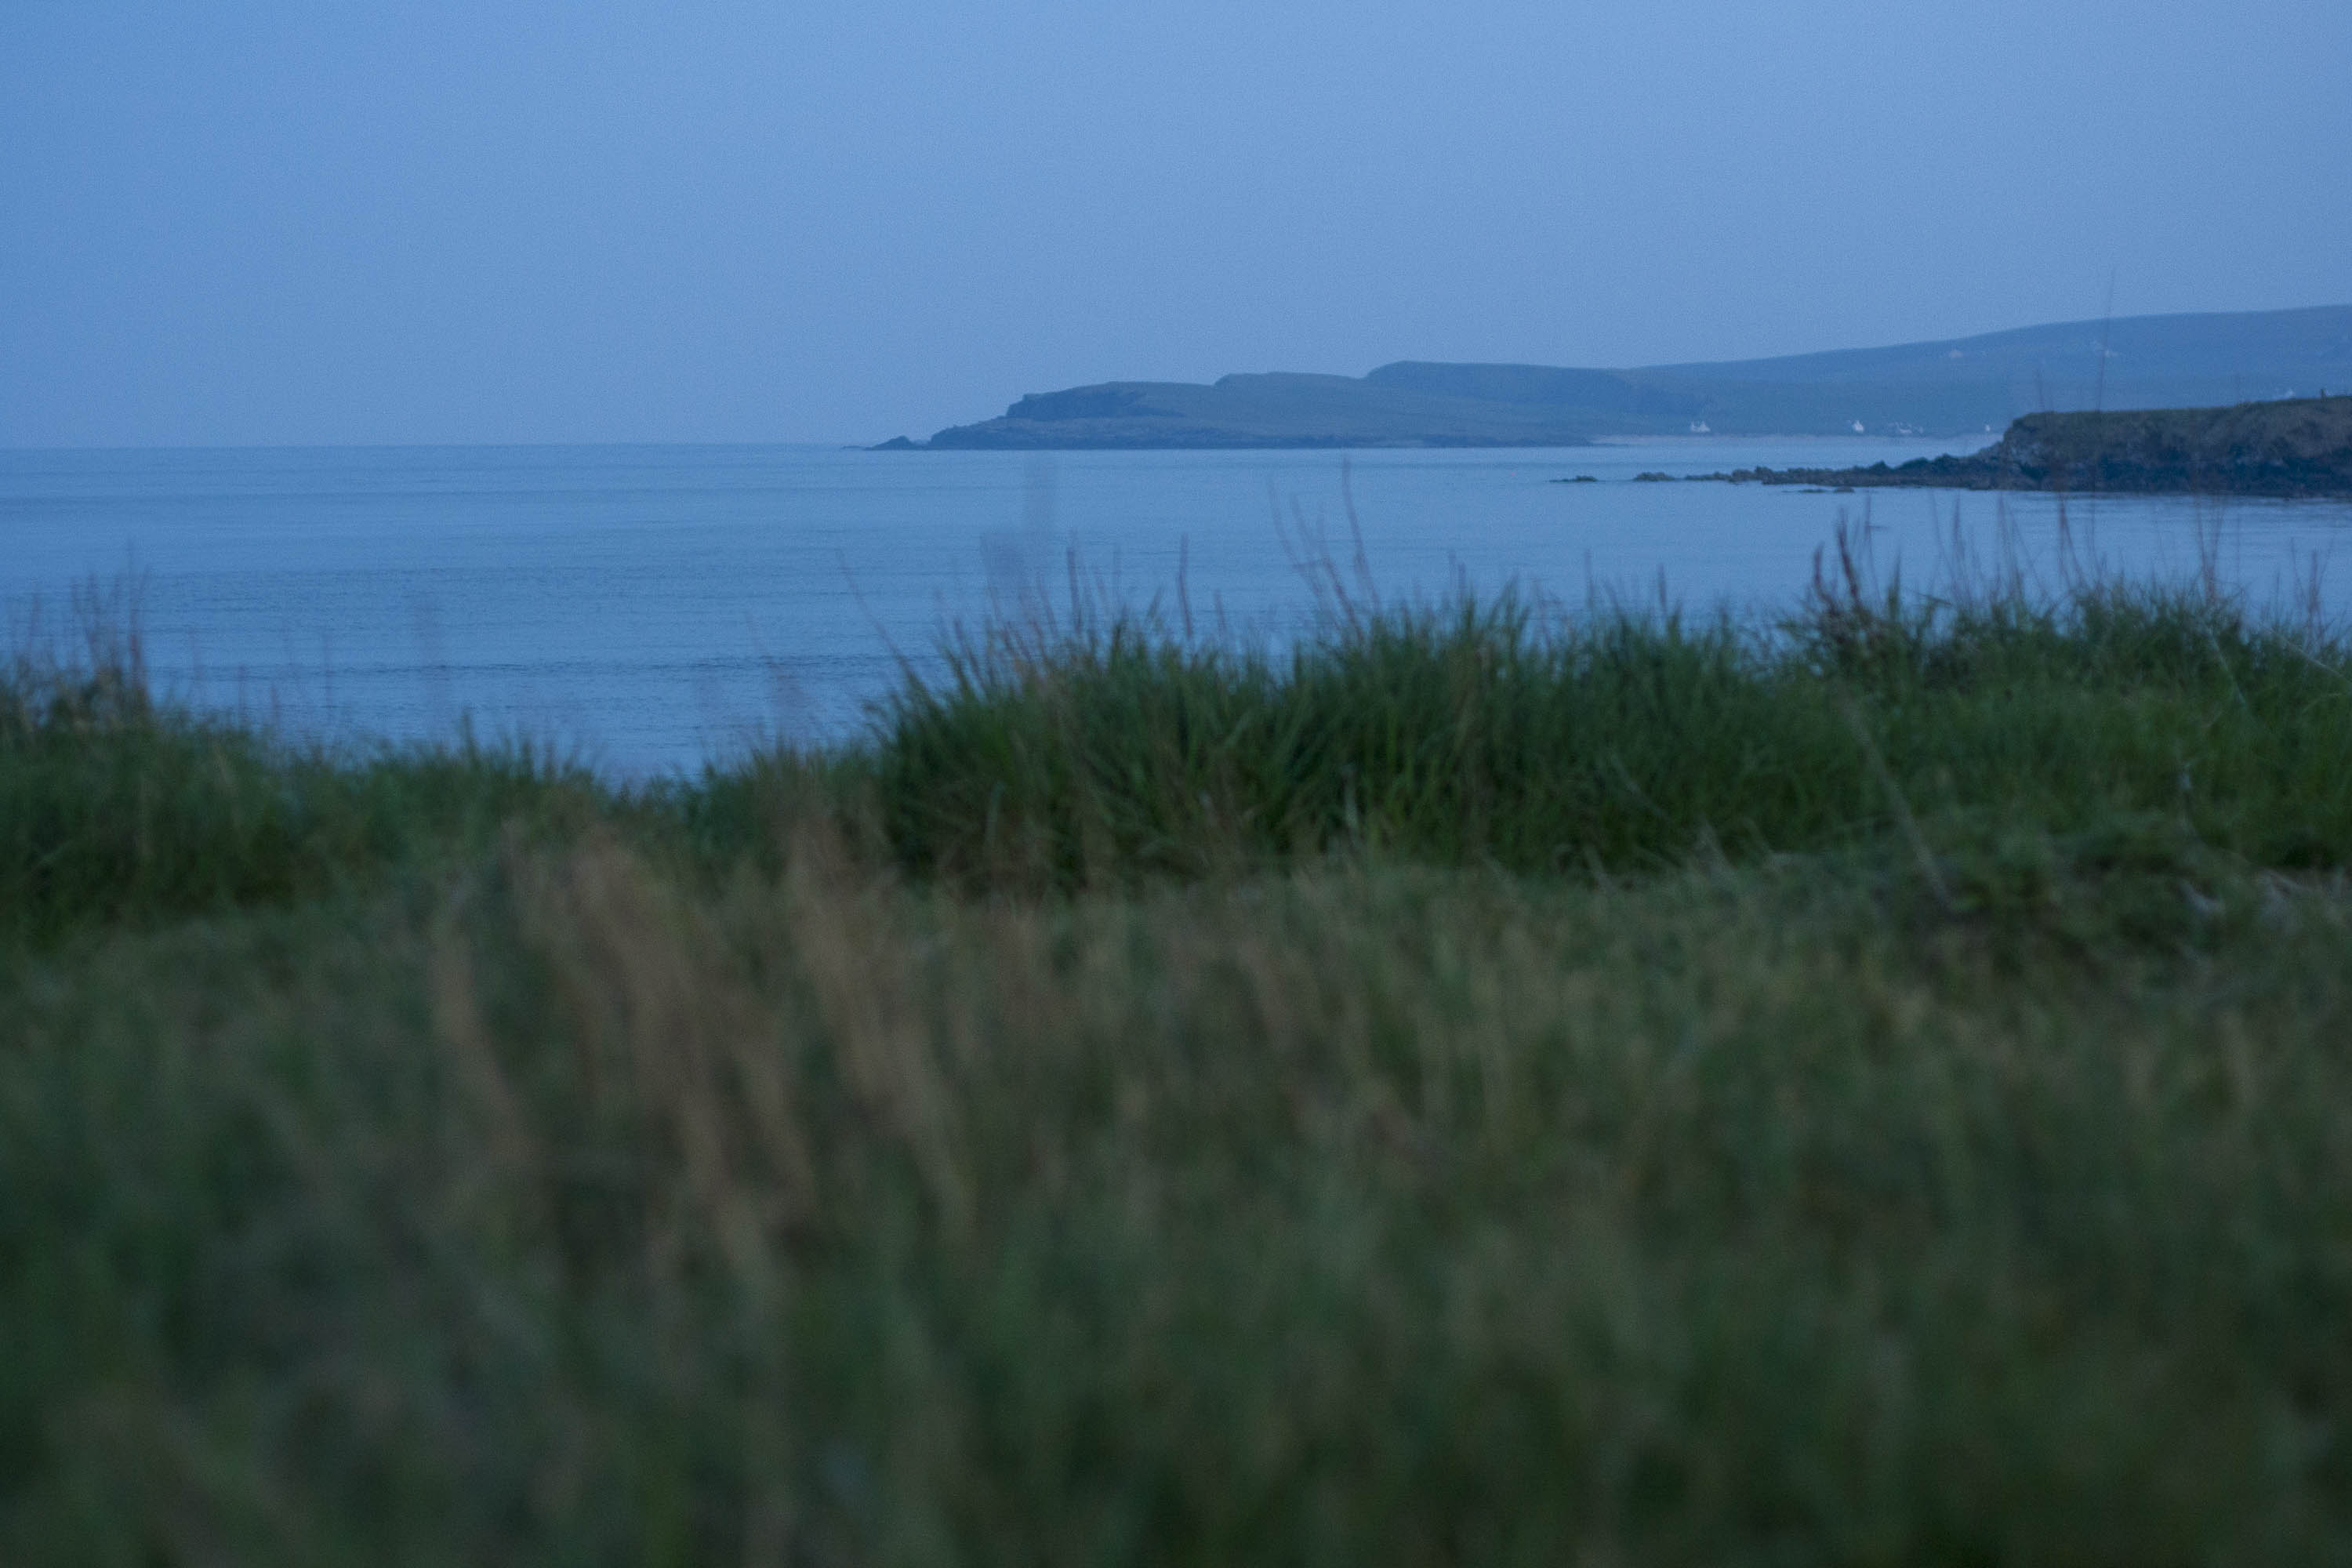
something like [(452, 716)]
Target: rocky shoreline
[(2289, 447)]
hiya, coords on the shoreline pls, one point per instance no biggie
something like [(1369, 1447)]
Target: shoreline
[(2285, 448)]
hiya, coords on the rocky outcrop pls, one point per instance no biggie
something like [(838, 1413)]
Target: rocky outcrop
[(2289, 447)]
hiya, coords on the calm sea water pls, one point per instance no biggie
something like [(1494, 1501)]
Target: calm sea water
[(651, 607)]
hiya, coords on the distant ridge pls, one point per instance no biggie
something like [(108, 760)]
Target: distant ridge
[(1953, 387)]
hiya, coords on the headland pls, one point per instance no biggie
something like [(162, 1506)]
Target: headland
[(1946, 388), (2293, 447)]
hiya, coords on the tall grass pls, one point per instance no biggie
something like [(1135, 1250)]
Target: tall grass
[(1474, 731), (1106, 747), (577, 1216), (1476, 1086), (119, 806)]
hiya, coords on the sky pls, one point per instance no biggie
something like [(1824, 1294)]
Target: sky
[(244, 223)]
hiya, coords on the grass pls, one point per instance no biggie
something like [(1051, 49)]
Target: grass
[(1482, 733), (1470, 1087)]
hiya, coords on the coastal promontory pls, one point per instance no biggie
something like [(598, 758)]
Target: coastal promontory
[(1946, 388), (2289, 447)]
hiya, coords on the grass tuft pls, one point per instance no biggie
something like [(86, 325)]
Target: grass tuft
[(1468, 732)]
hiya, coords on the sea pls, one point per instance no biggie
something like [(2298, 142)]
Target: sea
[(652, 610)]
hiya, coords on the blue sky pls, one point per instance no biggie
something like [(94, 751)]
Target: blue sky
[(710, 221)]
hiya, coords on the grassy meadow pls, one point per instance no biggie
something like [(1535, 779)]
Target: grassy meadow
[(1478, 1085)]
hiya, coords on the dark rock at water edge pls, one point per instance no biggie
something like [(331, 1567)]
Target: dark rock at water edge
[(2290, 446)]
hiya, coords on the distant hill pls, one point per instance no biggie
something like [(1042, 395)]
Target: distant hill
[(1946, 388)]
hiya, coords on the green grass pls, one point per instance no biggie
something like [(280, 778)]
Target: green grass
[(1471, 733), (119, 809), (1470, 1088)]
